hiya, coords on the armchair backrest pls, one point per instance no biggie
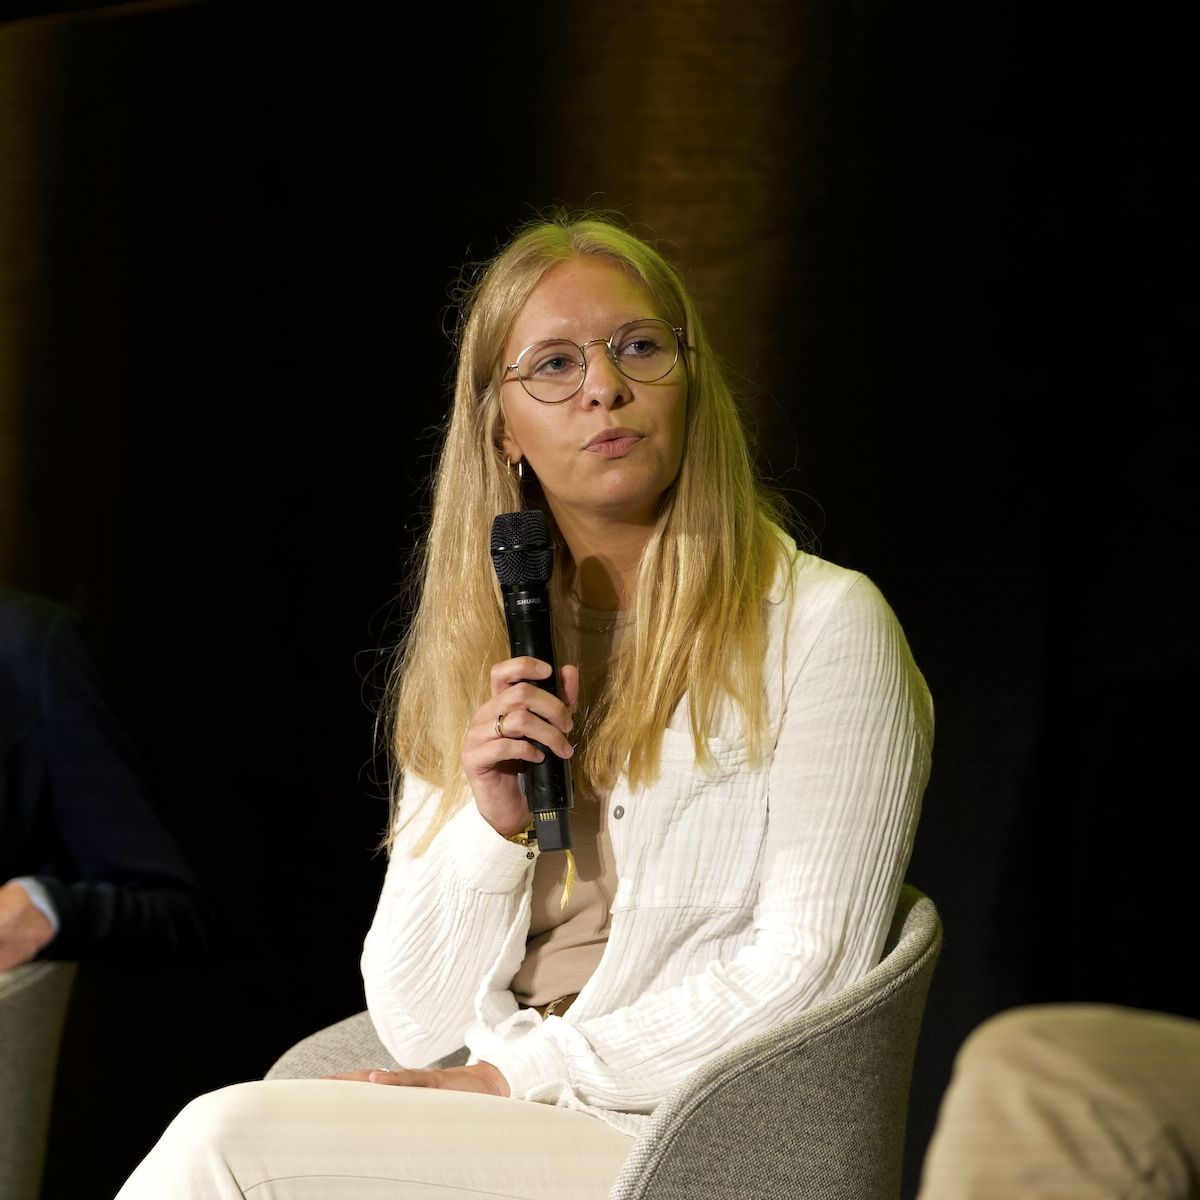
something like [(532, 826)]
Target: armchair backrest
[(816, 1107)]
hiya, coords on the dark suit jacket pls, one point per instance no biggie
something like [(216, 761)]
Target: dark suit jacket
[(76, 808)]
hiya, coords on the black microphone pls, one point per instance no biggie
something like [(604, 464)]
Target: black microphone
[(523, 555)]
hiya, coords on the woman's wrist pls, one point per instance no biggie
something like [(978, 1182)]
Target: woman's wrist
[(512, 827), (524, 836)]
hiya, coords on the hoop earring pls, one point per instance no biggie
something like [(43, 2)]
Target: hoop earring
[(520, 472)]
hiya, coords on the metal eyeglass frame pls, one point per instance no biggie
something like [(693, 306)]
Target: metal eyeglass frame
[(607, 342)]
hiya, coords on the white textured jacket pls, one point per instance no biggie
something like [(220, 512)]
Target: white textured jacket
[(745, 894)]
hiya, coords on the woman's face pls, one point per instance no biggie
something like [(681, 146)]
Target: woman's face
[(615, 446)]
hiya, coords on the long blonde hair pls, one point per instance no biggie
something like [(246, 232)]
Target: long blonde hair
[(699, 620)]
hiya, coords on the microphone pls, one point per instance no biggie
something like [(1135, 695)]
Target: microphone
[(523, 555)]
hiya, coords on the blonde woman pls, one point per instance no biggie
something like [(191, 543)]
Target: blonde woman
[(748, 737)]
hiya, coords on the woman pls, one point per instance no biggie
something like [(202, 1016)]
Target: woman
[(749, 740)]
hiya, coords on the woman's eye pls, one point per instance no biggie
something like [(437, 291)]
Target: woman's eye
[(642, 344), (553, 362), (647, 339)]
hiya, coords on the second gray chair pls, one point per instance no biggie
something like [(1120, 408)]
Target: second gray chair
[(33, 1010)]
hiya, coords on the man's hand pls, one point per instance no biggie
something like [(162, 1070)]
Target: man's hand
[(478, 1077), (24, 929)]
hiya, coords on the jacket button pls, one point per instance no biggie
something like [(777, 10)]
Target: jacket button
[(619, 811)]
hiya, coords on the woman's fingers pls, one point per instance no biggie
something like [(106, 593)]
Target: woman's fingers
[(524, 710), (570, 679), (519, 724), (478, 1077), (401, 1078), (514, 670), (540, 718)]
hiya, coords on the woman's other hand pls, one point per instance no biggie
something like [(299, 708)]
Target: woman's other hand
[(498, 742), (478, 1077)]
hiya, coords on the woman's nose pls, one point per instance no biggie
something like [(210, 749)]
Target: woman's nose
[(603, 382)]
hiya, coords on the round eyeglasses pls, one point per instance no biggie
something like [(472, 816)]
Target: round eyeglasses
[(644, 350)]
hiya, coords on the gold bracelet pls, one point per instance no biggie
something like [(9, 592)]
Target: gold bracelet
[(527, 837)]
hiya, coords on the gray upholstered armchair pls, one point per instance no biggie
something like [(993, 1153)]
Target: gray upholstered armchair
[(33, 1009), (815, 1108)]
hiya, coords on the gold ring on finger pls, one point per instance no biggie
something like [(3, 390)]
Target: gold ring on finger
[(499, 725)]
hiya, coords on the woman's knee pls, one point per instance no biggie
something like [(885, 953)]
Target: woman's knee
[(208, 1121)]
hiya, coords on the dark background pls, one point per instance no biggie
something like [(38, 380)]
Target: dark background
[(950, 252)]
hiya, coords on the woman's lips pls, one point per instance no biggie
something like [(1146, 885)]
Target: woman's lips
[(614, 447)]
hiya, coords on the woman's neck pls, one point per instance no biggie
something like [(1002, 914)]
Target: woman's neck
[(606, 557)]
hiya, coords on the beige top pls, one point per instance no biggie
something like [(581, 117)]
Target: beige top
[(564, 944)]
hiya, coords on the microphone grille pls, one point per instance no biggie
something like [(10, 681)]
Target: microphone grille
[(522, 550)]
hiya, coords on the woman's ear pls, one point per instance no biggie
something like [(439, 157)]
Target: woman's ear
[(501, 438), (509, 446)]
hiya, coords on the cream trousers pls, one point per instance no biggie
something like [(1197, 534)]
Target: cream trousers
[(329, 1139), (1071, 1102)]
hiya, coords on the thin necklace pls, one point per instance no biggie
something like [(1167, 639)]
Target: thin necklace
[(621, 617)]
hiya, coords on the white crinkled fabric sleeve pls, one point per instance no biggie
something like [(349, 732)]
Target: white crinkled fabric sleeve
[(440, 926)]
